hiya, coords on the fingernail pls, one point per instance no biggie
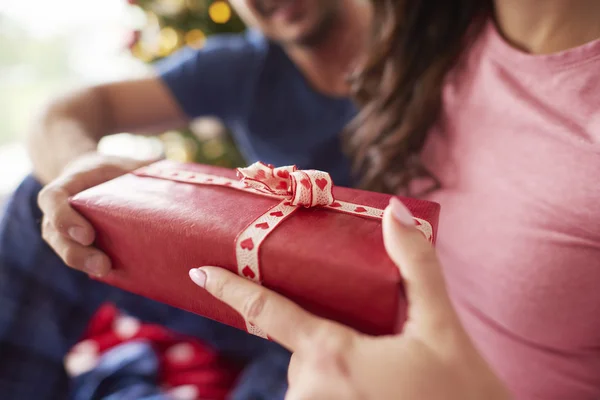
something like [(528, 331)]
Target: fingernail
[(79, 235), (198, 276), (94, 266), (401, 213)]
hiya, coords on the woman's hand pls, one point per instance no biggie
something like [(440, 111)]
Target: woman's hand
[(432, 358)]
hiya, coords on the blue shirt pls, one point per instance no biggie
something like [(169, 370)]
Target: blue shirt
[(250, 84), (275, 116)]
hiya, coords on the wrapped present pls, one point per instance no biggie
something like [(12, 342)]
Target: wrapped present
[(290, 230)]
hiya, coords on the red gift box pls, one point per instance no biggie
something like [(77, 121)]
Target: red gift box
[(290, 230)]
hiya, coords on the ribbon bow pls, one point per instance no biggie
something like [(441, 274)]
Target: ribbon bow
[(306, 188)]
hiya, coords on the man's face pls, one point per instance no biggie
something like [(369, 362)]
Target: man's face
[(300, 22)]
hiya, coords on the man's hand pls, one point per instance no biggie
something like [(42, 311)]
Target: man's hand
[(433, 358), (65, 230)]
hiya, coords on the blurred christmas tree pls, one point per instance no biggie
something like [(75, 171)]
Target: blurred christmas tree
[(169, 25)]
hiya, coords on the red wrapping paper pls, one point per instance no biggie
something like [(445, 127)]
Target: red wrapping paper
[(332, 264)]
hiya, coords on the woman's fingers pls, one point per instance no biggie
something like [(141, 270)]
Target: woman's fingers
[(284, 321), (294, 368), (321, 374), (419, 266)]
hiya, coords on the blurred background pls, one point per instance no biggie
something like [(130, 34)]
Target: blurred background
[(47, 47)]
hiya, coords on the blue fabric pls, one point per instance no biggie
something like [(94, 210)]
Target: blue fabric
[(125, 372), (275, 117), (254, 88), (46, 306), (130, 372)]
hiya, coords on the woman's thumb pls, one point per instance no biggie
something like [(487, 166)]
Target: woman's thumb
[(420, 269)]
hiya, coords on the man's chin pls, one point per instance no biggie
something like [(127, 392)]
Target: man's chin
[(309, 36)]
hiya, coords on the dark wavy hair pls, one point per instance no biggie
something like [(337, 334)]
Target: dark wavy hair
[(398, 85)]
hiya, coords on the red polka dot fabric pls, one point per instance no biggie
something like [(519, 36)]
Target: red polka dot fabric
[(188, 368)]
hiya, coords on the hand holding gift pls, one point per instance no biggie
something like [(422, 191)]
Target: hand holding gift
[(290, 230), (69, 234), (433, 358)]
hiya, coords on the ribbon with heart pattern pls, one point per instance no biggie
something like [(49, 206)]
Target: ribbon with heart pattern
[(295, 188)]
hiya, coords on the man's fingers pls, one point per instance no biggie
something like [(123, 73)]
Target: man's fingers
[(54, 203), (284, 321), (418, 264), (84, 258), (53, 200), (86, 173)]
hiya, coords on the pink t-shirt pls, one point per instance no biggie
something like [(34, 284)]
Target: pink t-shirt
[(517, 151)]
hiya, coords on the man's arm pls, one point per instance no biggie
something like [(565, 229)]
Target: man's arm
[(73, 124), (212, 81)]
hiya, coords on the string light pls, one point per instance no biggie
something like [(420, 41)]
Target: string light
[(219, 12), (139, 51), (152, 19), (179, 148), (165, 26), (213, 148), (196, 5), (178, 153), (169, 40), (168, 7), (195, 38)]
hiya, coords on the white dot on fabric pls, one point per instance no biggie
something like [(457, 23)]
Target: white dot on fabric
[(180, 353), (82, 358), (86, 346), (184, 392), (126, 327)]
